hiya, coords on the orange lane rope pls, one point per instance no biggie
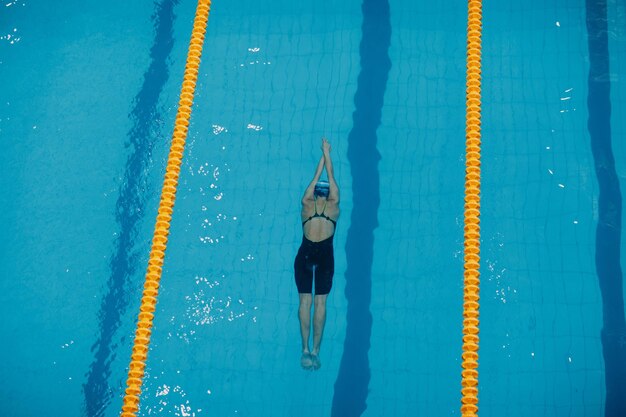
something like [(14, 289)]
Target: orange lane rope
[(471, 287), (161, 230)]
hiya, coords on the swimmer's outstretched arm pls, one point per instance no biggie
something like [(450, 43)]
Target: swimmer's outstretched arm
[(308, 193), (333, 192)]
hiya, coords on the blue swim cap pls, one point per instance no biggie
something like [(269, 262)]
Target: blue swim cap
[(322, 188)]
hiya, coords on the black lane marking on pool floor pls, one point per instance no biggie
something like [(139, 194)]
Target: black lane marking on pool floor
[(352, 383), (609, 228), (121, 289)]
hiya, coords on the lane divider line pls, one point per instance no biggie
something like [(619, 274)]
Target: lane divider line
[(164, 216), (471, 273)]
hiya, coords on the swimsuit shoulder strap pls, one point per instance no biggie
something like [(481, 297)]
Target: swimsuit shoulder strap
[(322, 214)]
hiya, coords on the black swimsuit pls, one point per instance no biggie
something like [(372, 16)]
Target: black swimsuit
[(318, 255)]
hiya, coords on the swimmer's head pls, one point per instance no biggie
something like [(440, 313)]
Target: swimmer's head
[(322, 188)]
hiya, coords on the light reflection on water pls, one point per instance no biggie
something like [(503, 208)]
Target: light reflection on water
[(206, 306), (11, 35), (173, 402)]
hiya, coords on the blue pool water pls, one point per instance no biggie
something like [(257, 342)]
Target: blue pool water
[(89, 95)]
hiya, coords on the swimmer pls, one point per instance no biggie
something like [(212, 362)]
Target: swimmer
[(320, 210)]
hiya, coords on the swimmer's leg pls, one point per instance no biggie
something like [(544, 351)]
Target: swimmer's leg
[(319, 320), (304, 314)]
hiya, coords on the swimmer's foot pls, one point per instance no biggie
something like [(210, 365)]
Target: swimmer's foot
[(306, 361), (316, 363)]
